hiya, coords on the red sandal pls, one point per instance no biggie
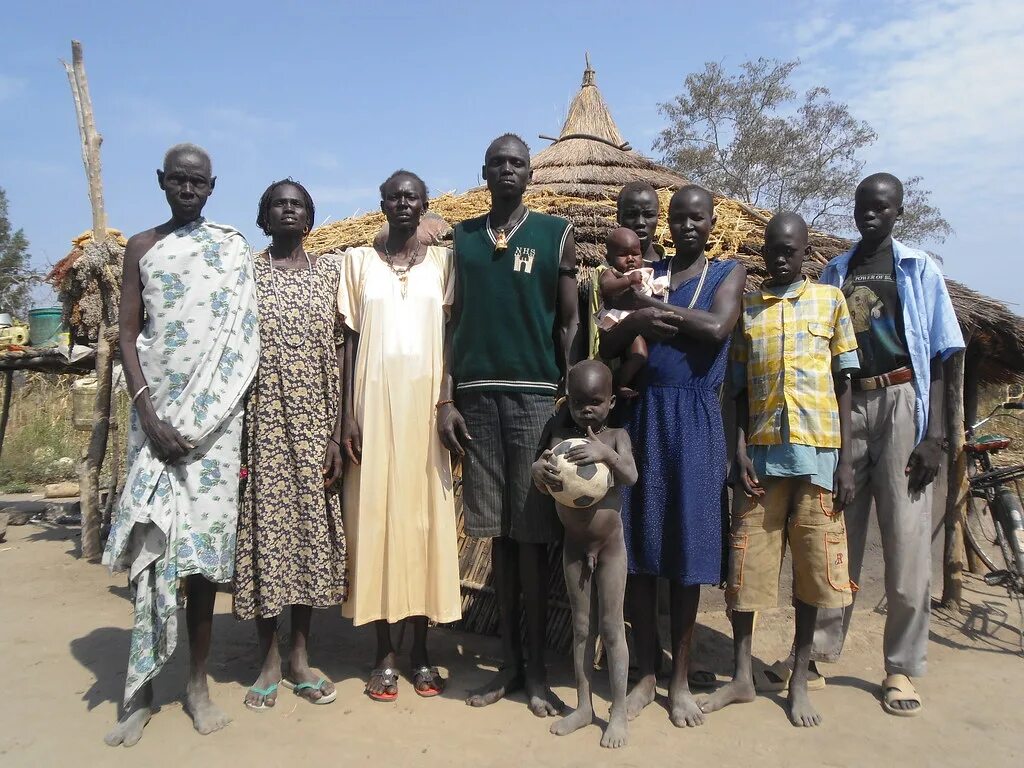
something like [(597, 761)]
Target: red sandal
[(431, 678), (388, 679)]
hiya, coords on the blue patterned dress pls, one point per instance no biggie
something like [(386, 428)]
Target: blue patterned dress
[(673, 515)]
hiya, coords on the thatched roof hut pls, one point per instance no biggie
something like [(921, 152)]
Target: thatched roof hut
[(580, 174), (579, 177)]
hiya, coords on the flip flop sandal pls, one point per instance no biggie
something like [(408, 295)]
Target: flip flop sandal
[(775, 679), (264, 692), (702, 679), (900, 688), (388, 679), (298, 688), (429, 676)]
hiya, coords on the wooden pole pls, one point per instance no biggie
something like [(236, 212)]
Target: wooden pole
[(5, 410), (92, 455), (954, 557), (972, 370)]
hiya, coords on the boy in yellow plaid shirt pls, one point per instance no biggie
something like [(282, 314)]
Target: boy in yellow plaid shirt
[(792, 354)]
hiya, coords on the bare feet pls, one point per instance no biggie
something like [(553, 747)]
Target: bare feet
[(736, 692), (507, 680), (641, 695), (542, 701), (207, 717), (128, 730), (683, 710), (616, 734), (578, 718), (801, 712)]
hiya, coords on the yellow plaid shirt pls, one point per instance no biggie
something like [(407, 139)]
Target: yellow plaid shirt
[(787, 344)]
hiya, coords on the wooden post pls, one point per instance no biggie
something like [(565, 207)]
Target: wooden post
[(954, 557), (972, 370), (5, 409), (92, 455)]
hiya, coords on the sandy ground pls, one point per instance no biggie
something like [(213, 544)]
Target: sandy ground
[(64, 636)]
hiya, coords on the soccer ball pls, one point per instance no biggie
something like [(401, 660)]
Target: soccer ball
[(582, 485)]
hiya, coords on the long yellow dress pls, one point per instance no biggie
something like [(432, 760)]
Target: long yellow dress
[(398, 504)]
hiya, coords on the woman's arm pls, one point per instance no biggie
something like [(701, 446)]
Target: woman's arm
[(351, 435), (654, 324), (715, 325), (333, 459)]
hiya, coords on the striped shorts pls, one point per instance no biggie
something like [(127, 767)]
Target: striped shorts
[(498, 494)]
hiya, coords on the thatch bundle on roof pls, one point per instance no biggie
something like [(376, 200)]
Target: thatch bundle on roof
[(88, 284)]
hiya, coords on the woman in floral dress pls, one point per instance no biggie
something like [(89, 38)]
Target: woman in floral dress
[(291, 539)]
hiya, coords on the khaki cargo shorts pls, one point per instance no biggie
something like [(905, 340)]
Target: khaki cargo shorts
[(792, 509)]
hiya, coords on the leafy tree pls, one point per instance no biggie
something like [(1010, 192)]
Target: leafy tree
[(921, 221), (751, 136), (15, 280)]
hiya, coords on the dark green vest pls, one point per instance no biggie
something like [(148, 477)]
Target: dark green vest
[(505, 338)]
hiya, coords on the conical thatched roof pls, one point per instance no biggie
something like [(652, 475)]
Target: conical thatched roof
[(590, 158), (579, 176)]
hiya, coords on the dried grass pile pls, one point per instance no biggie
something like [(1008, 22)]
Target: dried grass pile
[(88, 284)]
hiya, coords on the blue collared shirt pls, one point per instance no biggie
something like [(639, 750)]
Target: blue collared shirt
[(929, 321)]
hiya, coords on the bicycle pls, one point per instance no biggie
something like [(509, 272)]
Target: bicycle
[(995, 515)]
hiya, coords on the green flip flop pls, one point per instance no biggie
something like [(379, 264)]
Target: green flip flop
[(264, 692), (298, 688)]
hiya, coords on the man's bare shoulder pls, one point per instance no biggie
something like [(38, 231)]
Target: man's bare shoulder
[(141, 242)]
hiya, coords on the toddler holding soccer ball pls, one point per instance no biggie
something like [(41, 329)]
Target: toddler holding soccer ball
[(582, 468)]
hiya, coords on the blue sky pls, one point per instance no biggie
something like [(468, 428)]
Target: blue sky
[(339, 94)]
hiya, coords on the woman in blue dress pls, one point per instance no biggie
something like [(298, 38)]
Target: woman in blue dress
[(673, 515)]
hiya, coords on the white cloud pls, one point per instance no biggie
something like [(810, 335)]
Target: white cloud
[(940, 78)]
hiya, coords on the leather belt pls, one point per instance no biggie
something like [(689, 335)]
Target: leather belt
[(899, 376)]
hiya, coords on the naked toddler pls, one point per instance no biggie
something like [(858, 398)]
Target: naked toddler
[(594, 549)]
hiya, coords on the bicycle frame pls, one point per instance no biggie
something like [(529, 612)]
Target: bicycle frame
[(997, 486)]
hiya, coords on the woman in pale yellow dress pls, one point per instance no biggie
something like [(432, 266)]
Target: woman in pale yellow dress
[(398, 501)]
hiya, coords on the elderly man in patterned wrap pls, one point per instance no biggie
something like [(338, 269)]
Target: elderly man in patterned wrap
[(189, 345)]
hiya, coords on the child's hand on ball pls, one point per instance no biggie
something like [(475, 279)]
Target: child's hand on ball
[(545, 473), (591, 453)]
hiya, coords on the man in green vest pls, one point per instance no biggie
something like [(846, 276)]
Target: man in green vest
[(509, 345)]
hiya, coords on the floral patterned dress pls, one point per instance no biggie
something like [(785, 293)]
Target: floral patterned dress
[(291, 539)]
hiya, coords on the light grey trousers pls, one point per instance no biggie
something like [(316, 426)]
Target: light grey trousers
[(883, 437)]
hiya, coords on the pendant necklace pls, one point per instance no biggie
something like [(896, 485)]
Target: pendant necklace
[(277, 297), (402, 273), (501, 236)]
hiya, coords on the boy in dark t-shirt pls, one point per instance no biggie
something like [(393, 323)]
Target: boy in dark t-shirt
[(875, 309), (906, 329)]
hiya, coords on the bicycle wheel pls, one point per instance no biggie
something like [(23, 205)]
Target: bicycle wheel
[(981, 532)]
